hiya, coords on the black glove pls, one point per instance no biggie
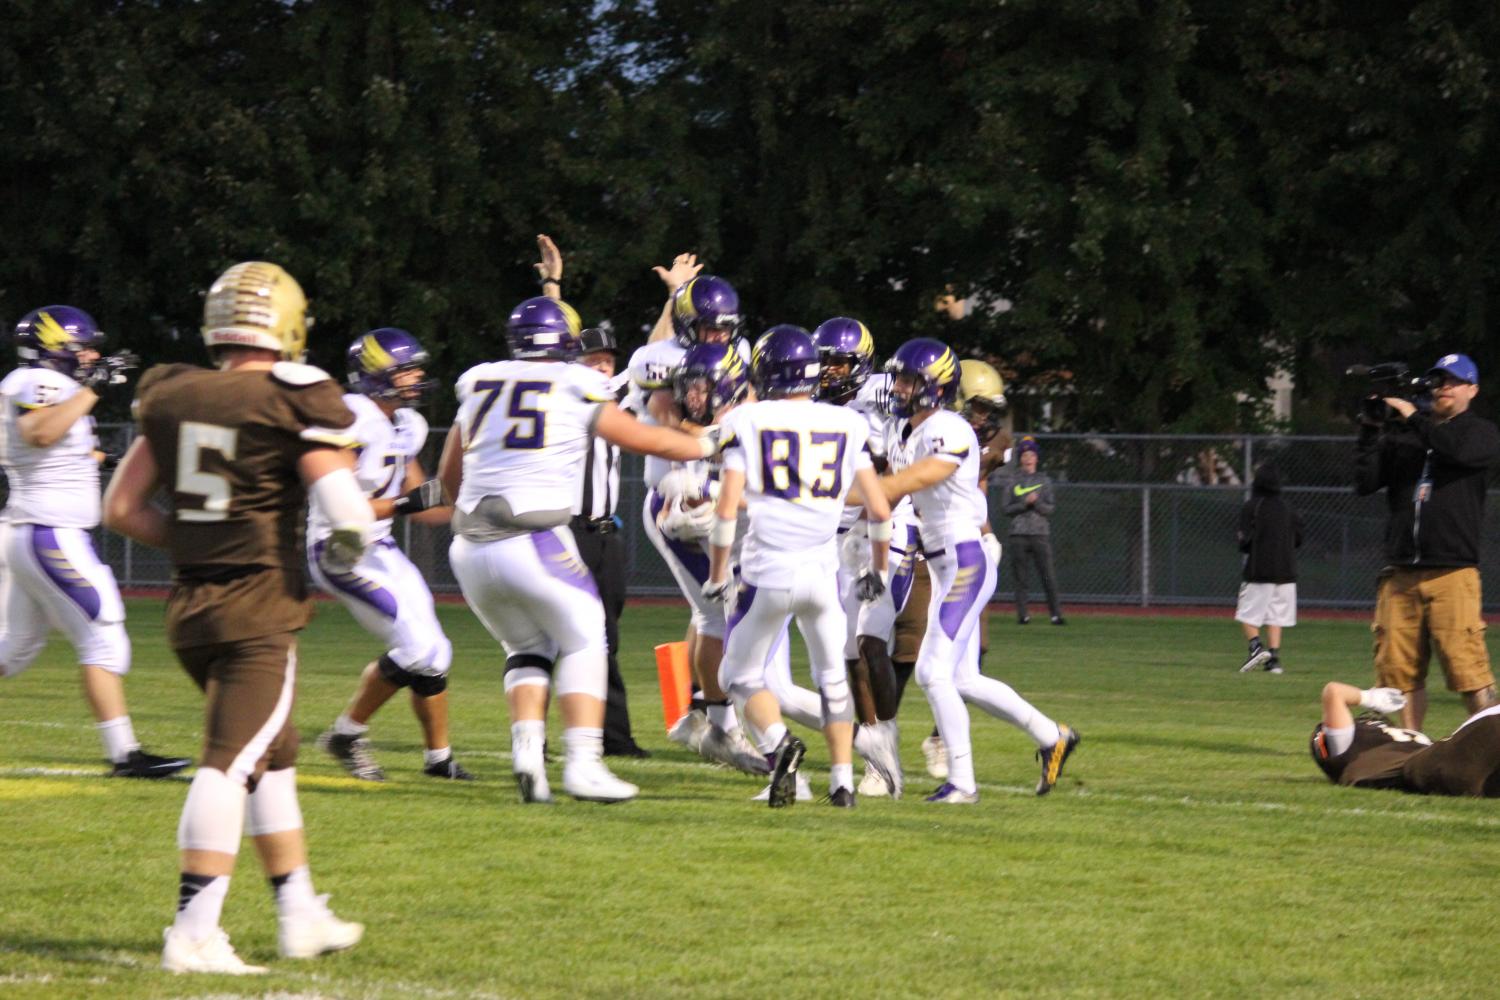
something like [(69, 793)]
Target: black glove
[(428, 495), (107, 371), (869, 586), (108, 460)]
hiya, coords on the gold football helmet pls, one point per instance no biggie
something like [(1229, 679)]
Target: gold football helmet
[(256, 304), (979, 380)]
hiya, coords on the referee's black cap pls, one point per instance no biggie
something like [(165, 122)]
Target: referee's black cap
[(595, 339)]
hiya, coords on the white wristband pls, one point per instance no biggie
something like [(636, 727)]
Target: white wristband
[(722, 533), (880, 531)]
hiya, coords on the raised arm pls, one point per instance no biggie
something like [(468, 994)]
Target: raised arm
[(684, 268)]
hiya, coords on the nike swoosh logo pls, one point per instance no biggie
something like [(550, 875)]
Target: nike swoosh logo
[(1021, 492)]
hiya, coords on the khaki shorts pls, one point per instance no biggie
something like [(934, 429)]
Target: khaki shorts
[(911, 624), (1419, 611), (248, 720)]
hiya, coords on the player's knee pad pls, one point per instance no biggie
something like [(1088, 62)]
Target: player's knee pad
[(527, 668), (273, 806), (428, 685), (107, 647), (838, 705), (584, 671), (213, 815), (424, 684)]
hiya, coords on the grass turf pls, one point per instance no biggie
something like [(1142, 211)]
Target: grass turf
[(1192, 848)]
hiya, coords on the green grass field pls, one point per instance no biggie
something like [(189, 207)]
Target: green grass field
[(1192, 848)]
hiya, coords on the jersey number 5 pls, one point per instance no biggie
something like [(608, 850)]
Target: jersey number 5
[(528, 422), (193, 439)]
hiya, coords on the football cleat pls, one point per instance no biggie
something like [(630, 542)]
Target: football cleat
[(789, 754), (804, 790), (591, 781), (872, 785), (878, 746), (937, 757), (731, 749), (530, 768), (214, 954), (140, 764), (352, 753), (950, 794), (842, 798), (689, 730), (450, 769), (1054, 757), (316, 932)]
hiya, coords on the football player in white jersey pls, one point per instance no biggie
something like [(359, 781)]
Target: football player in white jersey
[(50, 576), (793, 460), (846, 352), (935, 461), (383, 591), (522, 431), (705, 309)]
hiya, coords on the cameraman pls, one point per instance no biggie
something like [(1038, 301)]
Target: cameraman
[(1432, 466)]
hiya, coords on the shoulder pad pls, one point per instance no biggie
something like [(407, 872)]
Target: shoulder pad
[(298, 375)]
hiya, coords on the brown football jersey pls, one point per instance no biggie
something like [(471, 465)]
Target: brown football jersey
[(992, 454), (227, 445)]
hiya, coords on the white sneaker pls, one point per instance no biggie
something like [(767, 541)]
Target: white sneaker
[(531, 771), (879, 746), (872, 785), (937, 756), (213, 954), (689, 730), (316, 932), (804, 790), (591, 781)]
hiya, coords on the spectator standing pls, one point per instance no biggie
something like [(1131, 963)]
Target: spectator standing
[(1270, 533), (1029, 503)]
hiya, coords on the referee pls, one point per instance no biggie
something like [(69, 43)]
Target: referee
[(596, 531)]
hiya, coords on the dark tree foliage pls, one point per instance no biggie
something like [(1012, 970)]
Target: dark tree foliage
[(1154, 204)]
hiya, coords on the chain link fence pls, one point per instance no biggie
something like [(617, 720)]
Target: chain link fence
[(1141, 520)]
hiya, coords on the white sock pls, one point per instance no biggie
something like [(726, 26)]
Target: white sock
[(1000, 700), (293, 892), (953, 725), (346, 726), (583, 743), (526, 739), (273, 806), (431, 757), (771, 738), (200, 901), (961, 771), (840, 776), (722, 716), (118, 737)]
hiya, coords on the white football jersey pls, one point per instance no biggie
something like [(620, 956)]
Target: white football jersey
[(525, 427), (652, 367), (799, 458), (954, 509), (386, 446), (56, 486)]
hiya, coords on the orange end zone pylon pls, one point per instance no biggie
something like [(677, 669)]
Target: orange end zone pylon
[(676, 680)]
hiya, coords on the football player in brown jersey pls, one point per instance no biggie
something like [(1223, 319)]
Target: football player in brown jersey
[(1368, 752), (237, 449)]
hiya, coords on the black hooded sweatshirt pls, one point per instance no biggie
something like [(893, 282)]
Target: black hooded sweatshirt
[(1270, 532)]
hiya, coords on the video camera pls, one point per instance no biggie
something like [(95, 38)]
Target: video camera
[(1391, 378)]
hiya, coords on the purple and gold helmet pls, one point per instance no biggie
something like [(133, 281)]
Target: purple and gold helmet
[(842, 339), (718, 373), (705, 302), (784, 362), (52, 336), (376, 358), (543, 328), (935, 367)]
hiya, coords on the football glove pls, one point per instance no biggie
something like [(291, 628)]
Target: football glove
[(677, 484), (1386, 701), (342, 550), (716, 591), (107, 371), (871, 585), (991, 546), (424, 497)]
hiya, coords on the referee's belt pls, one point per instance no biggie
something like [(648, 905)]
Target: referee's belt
[(601, 525)]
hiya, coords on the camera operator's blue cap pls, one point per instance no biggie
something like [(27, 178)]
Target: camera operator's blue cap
[(1460, 366)]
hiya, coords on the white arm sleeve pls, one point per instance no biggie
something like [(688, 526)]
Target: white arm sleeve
[(339, 497)]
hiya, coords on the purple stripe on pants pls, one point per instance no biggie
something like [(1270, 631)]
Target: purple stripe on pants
[(964, 590), (561, 563), (743, 598), (358, 587), (49, 555), (692, 557)]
